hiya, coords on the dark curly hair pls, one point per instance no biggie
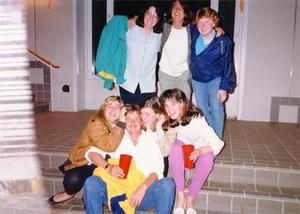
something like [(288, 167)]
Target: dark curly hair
[(188, 15)]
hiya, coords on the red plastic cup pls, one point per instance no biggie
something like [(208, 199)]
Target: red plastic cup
[(124, 163), (187, 149)]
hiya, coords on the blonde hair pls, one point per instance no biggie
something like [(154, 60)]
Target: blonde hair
[(207, 12), (154, 104), (100, 113)]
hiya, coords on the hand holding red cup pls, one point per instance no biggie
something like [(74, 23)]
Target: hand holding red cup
[(124, 163), (187, 149)]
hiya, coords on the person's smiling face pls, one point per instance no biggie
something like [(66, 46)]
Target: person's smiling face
[(133, 122), (173, 109), (177, 12), (112, 112), (149, 117), (205, 26), (150, 18)]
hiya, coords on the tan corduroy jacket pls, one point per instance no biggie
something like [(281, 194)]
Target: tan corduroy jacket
[(96, 134)]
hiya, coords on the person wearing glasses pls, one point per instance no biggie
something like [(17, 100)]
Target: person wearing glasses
[(104, 130), (143, 44)]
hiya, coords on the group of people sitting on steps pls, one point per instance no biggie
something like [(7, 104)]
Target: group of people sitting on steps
[(156, 129), (152, 129)]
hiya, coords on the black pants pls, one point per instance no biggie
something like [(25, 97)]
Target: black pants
[(137, 98), (74, 178), (166, 166)]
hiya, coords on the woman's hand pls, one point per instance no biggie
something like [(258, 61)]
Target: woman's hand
[(132, 22), (160, 120), (222, 95), (194, 155), (122, 115), (219, 31), (115, 171), (200, 151)]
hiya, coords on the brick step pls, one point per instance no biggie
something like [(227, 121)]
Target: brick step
[(219, 197), (280, 177), (53, 184), (231, 188), (37, 204), (41, 107), (230, 172), (222, 197)]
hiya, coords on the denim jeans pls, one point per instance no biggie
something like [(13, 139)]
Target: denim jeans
[(209, 103), (160, 196)]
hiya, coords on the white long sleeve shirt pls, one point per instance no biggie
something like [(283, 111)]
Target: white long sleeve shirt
[(146, 153), (142, 53), (200, 134)]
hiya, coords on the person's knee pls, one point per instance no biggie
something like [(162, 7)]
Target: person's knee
[(216, 105), (167, 187), (72, 183), (207, 160), (92, 184)]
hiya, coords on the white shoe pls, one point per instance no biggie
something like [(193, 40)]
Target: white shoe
[(191, 211), (179, 210)]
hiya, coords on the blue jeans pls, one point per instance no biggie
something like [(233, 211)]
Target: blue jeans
[(209, 103), (160, 196)]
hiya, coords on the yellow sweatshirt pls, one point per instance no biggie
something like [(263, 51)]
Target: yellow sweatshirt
[(116, 186)]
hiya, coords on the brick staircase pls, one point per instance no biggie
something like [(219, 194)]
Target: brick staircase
[(231, 188), (258, 172), (235, 188)]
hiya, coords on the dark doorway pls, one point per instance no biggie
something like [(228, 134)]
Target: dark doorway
[(98, 22), (129, 8), (227, 16)]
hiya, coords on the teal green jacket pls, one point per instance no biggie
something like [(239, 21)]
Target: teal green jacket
[(110, 59)]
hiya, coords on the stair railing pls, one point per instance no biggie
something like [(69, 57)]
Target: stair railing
[(43, 59)]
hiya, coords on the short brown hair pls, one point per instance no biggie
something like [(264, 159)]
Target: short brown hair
[(132, 108), (207, 12)]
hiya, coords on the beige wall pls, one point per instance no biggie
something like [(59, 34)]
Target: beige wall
[(270, 36), (295, 80), (62, 34), (52, 33)]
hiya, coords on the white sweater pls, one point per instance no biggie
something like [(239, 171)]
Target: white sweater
[(200, 134), (145, 153)]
